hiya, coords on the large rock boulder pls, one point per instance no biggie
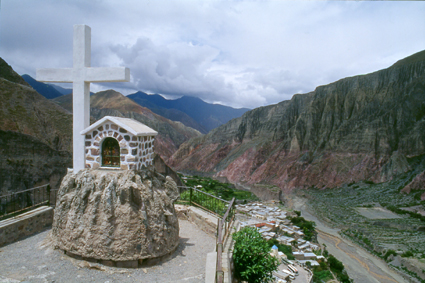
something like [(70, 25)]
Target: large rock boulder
[(116, 215)]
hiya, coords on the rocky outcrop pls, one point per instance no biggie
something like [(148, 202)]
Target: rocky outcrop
[(416, 184), (358, 128), (116, 215)]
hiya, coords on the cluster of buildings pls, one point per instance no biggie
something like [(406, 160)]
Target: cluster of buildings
[(273, 223)]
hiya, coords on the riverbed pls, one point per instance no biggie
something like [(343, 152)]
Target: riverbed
[(361, 266)]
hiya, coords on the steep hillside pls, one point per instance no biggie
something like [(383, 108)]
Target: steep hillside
[(204, 116), (7, 73), (45, 90), (25, 111), (36, 135), (26, 162), (62, 90), (358, 128), (171, 134)]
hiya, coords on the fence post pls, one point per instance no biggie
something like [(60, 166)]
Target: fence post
[(48, 195), (219, 264), (190, 196)]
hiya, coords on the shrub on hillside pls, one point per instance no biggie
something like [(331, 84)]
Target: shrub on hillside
[(388, 253), (251, 256)]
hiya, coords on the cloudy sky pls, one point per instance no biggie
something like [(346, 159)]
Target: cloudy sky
[(237, 53)]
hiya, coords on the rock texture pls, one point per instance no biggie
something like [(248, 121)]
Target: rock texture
[(358, 128), (26, 162), (416, 184), (35, 136), (116, 215)]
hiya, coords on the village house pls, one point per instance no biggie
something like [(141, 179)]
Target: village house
[(119, 143)]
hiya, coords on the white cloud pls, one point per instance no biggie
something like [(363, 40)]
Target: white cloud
[(239, 53)]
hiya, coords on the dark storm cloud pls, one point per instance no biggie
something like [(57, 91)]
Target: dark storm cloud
[(239, 53)]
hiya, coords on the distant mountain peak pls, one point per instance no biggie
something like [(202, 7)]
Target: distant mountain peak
[(47, 90), (191, 111)]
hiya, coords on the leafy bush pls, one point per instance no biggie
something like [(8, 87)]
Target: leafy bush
[(401, 211), (388, 253), (252, 260), (322, 276), (407, 254), (343, 277), (225, 191), (335, 265), (338, 268)]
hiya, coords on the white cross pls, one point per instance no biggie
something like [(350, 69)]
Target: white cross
[(81, 75)]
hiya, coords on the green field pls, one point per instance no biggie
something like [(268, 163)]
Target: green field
[(225, 191)]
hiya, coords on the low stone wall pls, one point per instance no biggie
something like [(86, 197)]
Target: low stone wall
[(204, 220), (26, 224)]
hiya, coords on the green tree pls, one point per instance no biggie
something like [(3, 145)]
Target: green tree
[(251, 256), (335, 265)]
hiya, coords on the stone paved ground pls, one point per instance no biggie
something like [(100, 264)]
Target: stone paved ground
[(30, 260)]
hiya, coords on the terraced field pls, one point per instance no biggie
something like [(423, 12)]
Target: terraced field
[(376, 216), (361, 211)]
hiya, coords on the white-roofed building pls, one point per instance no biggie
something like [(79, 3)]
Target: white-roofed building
[(310, 256), (122, 143), (312, 262)]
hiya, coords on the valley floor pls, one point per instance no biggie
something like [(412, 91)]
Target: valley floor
[(361, 266)]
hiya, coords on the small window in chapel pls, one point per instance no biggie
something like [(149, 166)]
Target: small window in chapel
[(110, 153)]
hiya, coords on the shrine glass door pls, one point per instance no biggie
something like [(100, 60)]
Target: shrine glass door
[(110, 153)]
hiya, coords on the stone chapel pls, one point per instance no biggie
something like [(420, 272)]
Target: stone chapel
[(119, 143)]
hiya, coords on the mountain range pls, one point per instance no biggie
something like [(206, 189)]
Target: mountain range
[(47, 90), (36, 132), (171, 134), (365, 127), (191, 111)]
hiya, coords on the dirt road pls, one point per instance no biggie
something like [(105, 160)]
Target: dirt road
[(360, 265)]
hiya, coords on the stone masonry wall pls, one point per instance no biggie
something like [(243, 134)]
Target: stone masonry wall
[(29, 223), (136, 152)]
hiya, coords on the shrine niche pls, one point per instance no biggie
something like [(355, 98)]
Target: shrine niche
[(110, 153), (119, 143)]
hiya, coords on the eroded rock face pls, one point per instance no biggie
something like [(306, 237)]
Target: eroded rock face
[(116, 215), (358, 128)]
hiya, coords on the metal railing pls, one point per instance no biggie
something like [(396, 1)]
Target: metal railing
[(225, 211), (204, 200), (223, 231), (19, 202)]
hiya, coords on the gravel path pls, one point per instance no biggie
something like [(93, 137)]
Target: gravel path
[(30, 260)]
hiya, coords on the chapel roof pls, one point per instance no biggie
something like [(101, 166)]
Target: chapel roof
[(130, 125)]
